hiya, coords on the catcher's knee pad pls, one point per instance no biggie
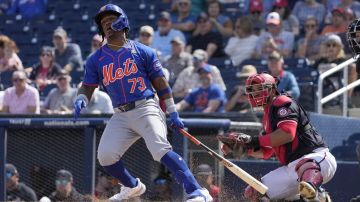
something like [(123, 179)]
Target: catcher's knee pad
[(309, 170)]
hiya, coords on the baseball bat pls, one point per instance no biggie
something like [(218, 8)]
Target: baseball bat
[(246, 177)]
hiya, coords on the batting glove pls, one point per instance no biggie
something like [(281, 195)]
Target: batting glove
[(175, 122), (79, 103)]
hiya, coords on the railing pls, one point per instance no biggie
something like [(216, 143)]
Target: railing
[(321, 101)]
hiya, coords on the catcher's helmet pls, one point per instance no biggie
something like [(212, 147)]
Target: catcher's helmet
[(121, 23), (258, 88), (353, 36)]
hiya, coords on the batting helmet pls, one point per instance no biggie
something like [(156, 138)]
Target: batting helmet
[(258, 88), (353, 36), (121, 23)]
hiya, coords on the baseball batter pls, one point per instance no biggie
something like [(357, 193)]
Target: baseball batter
[(128, 71), (305, 158)]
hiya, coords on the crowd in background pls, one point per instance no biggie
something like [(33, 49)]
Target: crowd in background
[(187, 36)]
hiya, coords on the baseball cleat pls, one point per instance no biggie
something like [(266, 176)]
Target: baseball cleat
[(306, 190), (128, 193), (199, 195)]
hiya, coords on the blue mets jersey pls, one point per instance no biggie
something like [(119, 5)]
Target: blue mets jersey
[(125, 73), (199, 98)]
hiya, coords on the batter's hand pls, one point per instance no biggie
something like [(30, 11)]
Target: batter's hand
[(175, 122), (78, 105)]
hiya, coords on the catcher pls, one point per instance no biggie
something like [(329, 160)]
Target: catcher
[(305, 159)]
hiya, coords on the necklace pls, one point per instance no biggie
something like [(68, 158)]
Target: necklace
[(115, 45), (118, 45)]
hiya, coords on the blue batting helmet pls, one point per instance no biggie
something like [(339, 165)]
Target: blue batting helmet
[(121, 23)]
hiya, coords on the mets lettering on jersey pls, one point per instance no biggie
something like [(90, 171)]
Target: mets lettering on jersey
[(126, 73), (128, 69)]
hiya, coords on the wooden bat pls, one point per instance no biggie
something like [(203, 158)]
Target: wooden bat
[(246, 177)]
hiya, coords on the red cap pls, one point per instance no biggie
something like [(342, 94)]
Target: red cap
[(281, 3), (256, 5), (339, 10)]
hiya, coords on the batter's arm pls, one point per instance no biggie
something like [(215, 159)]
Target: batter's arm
[(160, 84), (86, 90)]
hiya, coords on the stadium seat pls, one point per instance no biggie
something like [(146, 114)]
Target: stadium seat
[(345, 152), (296, 62), (5, 79)]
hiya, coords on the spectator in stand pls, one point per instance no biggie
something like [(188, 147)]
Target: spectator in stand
[(309, 46), (146, 33), (65, 190), (349, 5), (164, 34), (21, 98), (339, 23), (208, 98), (256, 16), (189, 79), (9, 60), (289, 22), (184, 20), (242, 44), (204, 175), (287, 80), (4, 6), (105, 185), (96, 43), (60, 100), (203, 38), (238, 101), (303, 9), (67, 55), (331, 56), (15, 190), (100, 103), (45, 72), (28, 8), (178, 60), (275, 39), (220, 23)]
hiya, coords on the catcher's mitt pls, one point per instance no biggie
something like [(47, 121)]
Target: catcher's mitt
[(234, 143)]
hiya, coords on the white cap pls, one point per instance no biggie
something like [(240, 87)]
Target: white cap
[(335, 38), (273, 18)]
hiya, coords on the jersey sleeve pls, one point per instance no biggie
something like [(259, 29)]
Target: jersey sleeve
[(286, 113), (91, 76), (153, 65)]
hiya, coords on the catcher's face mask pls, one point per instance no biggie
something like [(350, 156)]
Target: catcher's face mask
[(353, 36), (258, 89)]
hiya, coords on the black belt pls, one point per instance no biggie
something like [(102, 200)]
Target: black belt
[(131, 105)]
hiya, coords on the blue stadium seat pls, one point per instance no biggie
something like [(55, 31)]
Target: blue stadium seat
[(306, 74), (296, 62), (5, 79), (76, 77), (345, 153)]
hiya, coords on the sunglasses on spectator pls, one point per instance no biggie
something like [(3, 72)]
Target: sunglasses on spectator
[(183, 3), (61, 78), (202, 21), (17, 79), (329, 45), (145, 35), (46, 54), (61, 182), (310, 26), (256, 12), (278, 7)]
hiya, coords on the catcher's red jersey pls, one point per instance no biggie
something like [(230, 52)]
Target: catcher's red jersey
[(284, 110)]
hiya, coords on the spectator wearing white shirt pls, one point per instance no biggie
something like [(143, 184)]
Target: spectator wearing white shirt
[(275, 39), (164, 34), (242, 44)]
